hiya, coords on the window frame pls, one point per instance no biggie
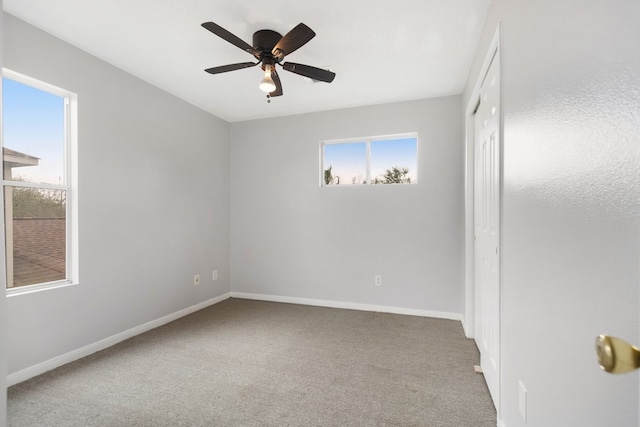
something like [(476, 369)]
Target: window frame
[(70, 181), (367, 141)]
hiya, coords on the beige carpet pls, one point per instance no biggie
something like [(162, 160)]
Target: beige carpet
[(251, 363)]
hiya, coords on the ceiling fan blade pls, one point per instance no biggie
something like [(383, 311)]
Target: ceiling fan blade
[(230, 67), (226, 35), (309, 71), (292, 41), (276, 80)]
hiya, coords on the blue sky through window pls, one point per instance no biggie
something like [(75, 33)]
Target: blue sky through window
[(348, 160), (388, 153), (33, 124)]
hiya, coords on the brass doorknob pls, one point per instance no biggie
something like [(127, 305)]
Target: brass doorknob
[(617, 356)]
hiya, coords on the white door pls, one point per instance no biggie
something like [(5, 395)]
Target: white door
[(487, 228)]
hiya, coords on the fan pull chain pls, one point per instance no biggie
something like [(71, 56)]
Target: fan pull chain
[(268, 99)]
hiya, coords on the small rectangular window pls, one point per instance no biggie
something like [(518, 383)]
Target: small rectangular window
[(379, 160), (36, 181)]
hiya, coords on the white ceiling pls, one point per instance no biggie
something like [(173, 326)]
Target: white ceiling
[(381, 50)]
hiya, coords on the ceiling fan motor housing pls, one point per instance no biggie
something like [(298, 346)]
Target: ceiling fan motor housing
[(265, 40)]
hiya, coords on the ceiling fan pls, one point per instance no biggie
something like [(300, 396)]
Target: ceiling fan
[(270, 48)]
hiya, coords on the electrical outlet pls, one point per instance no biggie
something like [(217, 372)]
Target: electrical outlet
[(522, 401), (215, 274), (196, 280), (377, 280)]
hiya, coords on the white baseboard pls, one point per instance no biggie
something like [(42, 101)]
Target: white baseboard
[(468, 329), (349, 305), (41, 368)]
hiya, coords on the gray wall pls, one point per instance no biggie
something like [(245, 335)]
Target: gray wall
[(155, 207), (153, 202), (292, 238), (3, 309), (571, 78)]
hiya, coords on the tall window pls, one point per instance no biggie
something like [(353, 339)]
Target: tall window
[(379, 160), (37, 181)]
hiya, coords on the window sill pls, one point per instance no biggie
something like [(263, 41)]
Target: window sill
[(29, 289)]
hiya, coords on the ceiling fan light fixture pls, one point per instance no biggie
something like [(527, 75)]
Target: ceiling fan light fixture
[(267, 84)]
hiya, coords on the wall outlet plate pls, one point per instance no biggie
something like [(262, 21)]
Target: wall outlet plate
[(196, 280), (377, 280), (215, 274)]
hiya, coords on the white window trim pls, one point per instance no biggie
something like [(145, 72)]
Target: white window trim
[(367, 141), (70, 166)]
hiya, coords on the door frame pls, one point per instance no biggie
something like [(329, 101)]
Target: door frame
[(468, 323)]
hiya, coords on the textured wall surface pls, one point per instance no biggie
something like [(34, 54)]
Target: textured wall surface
[(571, 207), (291, 237), (147, 161)]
